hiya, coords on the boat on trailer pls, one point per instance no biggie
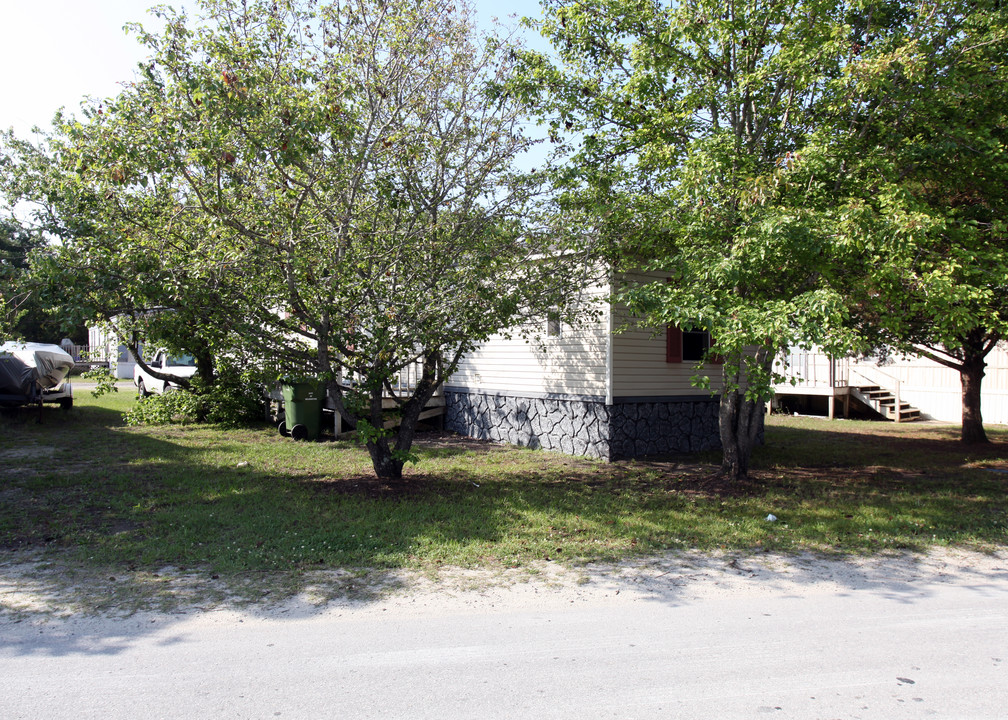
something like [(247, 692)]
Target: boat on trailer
[(34, 373)]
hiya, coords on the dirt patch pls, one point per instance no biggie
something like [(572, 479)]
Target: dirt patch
[(376, 488), (27, 452)]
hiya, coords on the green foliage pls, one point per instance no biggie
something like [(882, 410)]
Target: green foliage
[(789, 166), (676, 129), (327, 187), (233, 400), (680, 124), (914, 166), (14, 246), (911, 170), (23, 313), (175, 406), (105, 381)]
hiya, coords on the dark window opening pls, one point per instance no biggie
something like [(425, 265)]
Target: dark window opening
[(695, 345)]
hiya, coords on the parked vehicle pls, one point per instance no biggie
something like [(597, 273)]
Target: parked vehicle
[(34, 373), (180, 366)]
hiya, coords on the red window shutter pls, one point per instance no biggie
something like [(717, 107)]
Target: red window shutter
[(673, 344)]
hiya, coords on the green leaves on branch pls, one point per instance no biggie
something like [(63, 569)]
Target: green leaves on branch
[(316, 188)]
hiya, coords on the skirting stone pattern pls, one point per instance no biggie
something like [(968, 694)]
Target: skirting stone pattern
[(656, 428), (585, 427), (575, 427)]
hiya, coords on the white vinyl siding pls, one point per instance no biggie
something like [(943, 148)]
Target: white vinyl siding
[(638, 358), (571, 363), (639, 367), (587, 360)]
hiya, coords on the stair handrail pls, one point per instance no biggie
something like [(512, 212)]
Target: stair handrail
[(899, 404)]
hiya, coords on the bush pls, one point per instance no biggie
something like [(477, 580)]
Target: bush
[(175, 406), (234, 399)]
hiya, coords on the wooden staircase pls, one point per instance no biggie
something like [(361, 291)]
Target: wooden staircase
[(883, 402)]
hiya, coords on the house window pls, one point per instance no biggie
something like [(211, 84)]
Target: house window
[(695, 345), (553, 323), (686, 345)]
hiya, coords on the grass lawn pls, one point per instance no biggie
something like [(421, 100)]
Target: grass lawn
[(87, 489)]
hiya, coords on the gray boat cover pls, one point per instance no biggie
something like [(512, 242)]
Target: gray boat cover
[(25, 365)]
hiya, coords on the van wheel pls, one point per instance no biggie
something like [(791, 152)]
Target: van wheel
[(141, 389)]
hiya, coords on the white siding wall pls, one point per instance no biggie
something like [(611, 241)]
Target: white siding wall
[(638, 359), (588, 361), (572, 364), (123, 364)]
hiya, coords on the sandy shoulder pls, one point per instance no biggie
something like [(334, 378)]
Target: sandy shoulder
[(679, 578), (30, 587)]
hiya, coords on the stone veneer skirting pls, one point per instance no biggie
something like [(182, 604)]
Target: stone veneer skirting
[(586, 426)]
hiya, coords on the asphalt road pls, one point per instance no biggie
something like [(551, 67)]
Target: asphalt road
[(926, 647)]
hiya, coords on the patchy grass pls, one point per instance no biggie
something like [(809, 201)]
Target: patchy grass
[(85, 488)]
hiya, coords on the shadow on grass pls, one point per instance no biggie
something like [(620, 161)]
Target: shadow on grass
[(816, 442), (181, 516)]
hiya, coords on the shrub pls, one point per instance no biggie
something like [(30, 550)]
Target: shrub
[(234, 399)]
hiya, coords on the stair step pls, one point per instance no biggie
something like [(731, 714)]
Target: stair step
[(884, 403), (890, 403)]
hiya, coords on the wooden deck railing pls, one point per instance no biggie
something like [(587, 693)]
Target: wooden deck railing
[(815, 370), (403, 384)]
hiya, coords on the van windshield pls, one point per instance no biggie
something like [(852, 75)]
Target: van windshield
[(181, 360)]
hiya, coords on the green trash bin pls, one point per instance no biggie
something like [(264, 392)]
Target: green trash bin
[(302, 410)]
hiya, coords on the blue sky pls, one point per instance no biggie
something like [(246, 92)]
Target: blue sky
[(55, 52)]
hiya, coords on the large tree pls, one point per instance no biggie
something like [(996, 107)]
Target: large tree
[(15, 243), (340, 172), (110, 260), (913, 169), (679, 124)]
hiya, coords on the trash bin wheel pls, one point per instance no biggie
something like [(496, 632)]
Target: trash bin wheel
[(282, 427), (299, 432)]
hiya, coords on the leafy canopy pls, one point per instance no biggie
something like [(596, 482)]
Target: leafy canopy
[(682, 124), (329, 185)]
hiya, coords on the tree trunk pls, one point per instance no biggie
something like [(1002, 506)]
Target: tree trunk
[(970, 362), (388, 462), (740, 421), (205, 367), (971, 375), (386, 466)]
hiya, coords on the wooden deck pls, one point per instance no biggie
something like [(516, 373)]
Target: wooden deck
[(843, 381)]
